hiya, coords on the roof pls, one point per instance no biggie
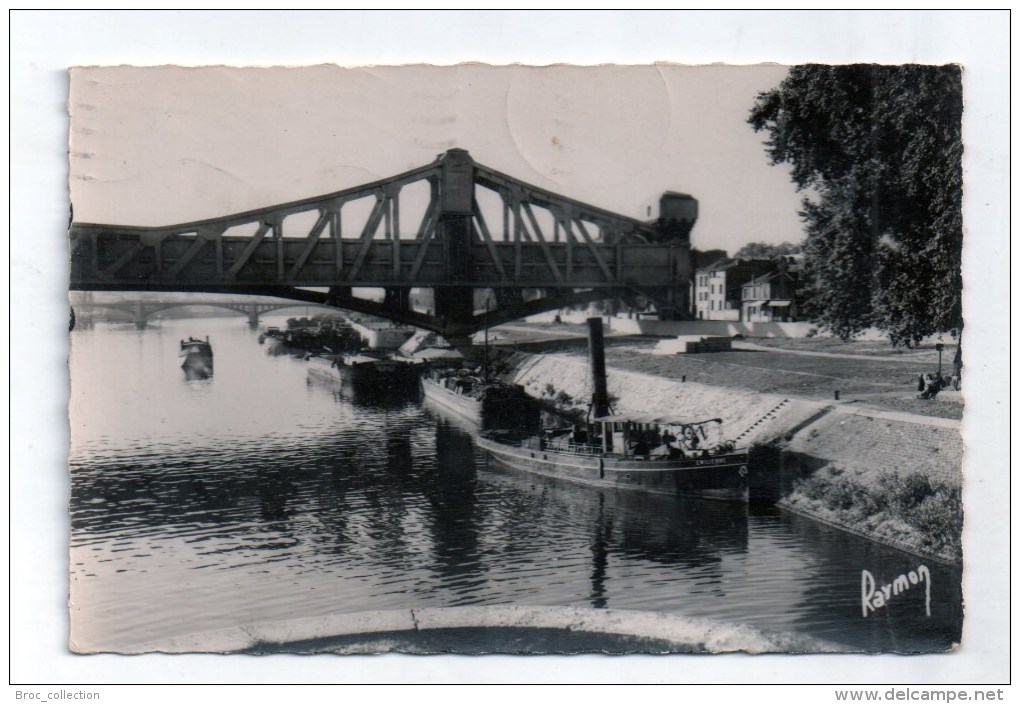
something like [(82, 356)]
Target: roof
[(719, 265), (727, 263), (765, 278)]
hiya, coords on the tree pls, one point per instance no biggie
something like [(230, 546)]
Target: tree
[(878, 152), (764, 250)]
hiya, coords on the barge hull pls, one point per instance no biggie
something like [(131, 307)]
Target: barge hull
[(722, 478), (464, 406), (517, 412)]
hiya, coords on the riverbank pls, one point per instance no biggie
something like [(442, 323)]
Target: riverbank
[(506, 629), (876, 462)]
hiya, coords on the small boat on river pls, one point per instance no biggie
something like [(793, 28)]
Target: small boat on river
[(661, 454), (270, 333), (197, 358)]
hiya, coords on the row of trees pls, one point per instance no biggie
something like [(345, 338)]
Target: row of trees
[(765, 250), (877, 152)]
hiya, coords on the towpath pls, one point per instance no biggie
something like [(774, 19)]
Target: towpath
[(865, 382), (916, 358)]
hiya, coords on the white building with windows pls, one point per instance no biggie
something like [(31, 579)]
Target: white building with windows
[(771, 297), (717, 287)]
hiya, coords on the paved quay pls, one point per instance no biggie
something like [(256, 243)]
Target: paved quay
[(914, 358), (874, 431), (866, 380)]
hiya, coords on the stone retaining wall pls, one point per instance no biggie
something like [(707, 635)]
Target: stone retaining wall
[(740, 410), (795, 437), (876, 442)]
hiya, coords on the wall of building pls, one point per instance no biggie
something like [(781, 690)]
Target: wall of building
[(383, 338), (720, 328)]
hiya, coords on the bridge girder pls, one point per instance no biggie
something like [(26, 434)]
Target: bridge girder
[(546, 241)]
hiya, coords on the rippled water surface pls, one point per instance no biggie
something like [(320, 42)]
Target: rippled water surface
[(262, 495)]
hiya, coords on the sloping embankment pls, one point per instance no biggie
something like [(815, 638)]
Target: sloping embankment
[(891, 477)]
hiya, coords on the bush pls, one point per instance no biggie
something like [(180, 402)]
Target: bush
[(939, 518), (933, 510), (903, 493)]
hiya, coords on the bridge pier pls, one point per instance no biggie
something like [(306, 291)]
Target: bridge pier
[(455, 305), (511, 299), (253, 316), (463, 344), (398, 298), (141, 316)]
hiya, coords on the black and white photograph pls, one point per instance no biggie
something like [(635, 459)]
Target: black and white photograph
[(355, 356), (654, 358)]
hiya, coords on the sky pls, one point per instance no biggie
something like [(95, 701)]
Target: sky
[(164, 145)]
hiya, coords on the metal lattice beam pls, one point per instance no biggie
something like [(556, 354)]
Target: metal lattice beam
[(453, 249)]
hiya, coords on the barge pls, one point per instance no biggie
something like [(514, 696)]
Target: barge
[(376, 370), (197, 358), (487, 403), (663, 455), (617, 455)]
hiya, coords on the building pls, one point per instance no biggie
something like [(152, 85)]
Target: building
[(772, 297), (718, 287)]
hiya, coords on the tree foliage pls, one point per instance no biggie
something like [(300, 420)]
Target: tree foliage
[(765, 250), (878, 152)]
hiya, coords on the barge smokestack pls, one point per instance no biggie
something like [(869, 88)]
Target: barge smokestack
[(597, 356)]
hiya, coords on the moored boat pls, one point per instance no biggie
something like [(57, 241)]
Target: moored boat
[(376, 369), (197, 358), (324, 368), (270, 333), (665, 455), (618, 453), (488, 403)]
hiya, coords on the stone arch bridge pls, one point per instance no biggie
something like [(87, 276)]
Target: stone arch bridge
[(141, 311)]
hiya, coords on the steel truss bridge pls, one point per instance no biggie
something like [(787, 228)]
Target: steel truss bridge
[(566, 251)]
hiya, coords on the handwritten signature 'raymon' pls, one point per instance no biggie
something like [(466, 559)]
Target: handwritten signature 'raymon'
[(873, 597)]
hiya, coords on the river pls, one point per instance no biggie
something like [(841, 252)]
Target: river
[(261, 495)]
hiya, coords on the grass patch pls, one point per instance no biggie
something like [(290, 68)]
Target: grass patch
[(911, 507)]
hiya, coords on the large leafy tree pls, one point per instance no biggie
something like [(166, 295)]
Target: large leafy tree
[(877, 151)]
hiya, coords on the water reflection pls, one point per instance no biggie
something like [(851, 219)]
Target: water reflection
[(902, 625), (266, 496), (600, 556), (454, 512)]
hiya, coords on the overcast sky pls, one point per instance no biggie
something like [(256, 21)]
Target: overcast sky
[(162, 145)]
